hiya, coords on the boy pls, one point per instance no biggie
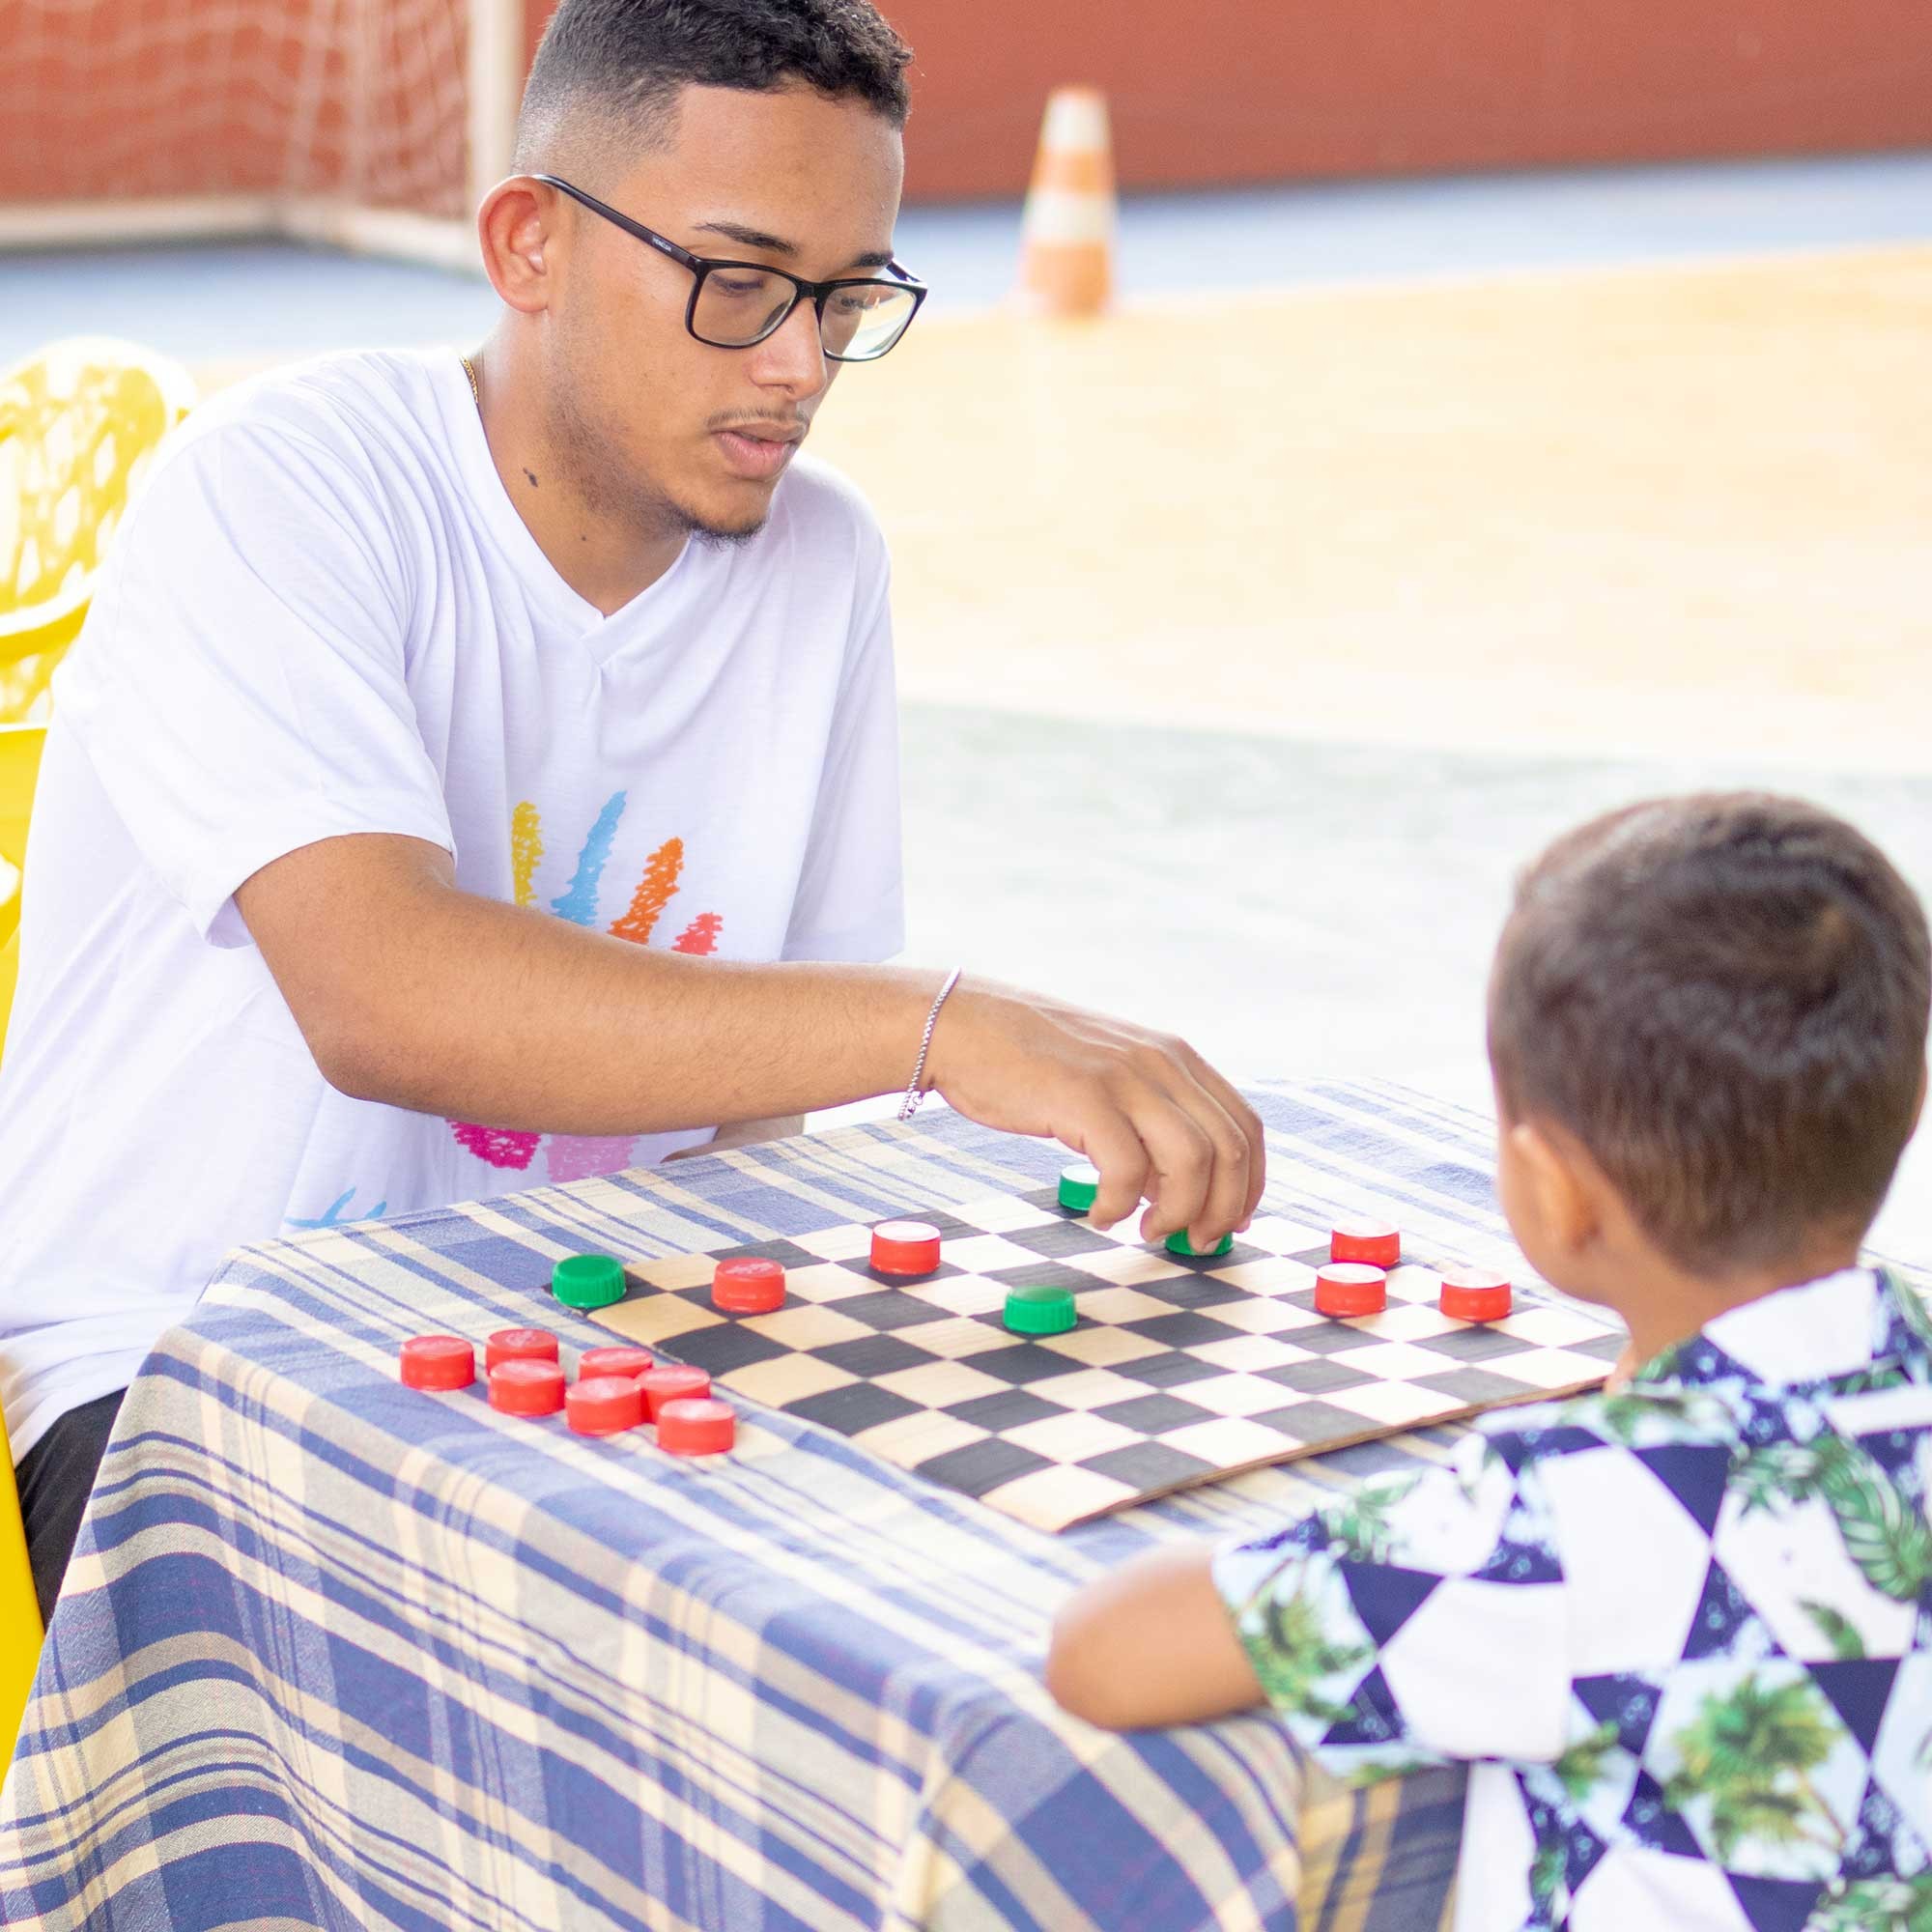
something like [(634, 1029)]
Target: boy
[(1679, 1628)]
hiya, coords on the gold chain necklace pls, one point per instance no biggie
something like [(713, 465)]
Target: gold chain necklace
[(470, 370)]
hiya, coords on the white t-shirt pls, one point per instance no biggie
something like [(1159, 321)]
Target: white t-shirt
[(326, 616)]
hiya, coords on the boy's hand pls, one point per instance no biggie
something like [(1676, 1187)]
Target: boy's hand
[(1152, 1644)]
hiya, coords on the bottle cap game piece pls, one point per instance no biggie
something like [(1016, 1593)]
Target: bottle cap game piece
[(1079, 1185), (1040, 1311), (518, 1345), (748, 1287), (1178, 1243), (693, 1427), (436, 1362), (905, 1247), (1475, 1294), (619, 1361), (604, 1404), (523, 1387), (1349, 1288), (672, 1382), (588, 1281), (1376, 1242)]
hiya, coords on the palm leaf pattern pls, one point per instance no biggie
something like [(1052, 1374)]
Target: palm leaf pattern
[(1748, 1754), (1876, 1905), (1298, 1652)]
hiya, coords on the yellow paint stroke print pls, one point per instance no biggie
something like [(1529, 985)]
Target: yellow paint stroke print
[(527, 850), (654, 893)]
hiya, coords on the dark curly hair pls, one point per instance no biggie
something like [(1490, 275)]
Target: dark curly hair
[(1723, 998), (629, 59)]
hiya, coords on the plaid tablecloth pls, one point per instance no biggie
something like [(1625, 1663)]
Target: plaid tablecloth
[(337, 1654)]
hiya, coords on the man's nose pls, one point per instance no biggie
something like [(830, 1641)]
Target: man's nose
[(792, 357)]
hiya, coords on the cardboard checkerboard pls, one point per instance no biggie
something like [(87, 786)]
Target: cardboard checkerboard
[(1179, 1371)]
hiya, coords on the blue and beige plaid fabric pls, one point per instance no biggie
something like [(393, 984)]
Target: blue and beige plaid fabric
[(334, 1653)]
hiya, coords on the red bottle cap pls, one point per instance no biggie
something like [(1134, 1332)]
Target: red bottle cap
[(693, 1428), (604, 1404), (620, 1361), (1475, 1294), (518, 1345), (520, 1386), (1349, 1288), (436, 1362), (672, 1382), (748, 1287), (1379, 1244), (905, 1247)]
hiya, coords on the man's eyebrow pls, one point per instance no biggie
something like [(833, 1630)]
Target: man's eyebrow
[(776, 244)]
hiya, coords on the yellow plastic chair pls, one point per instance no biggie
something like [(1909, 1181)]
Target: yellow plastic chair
[(80, 423)]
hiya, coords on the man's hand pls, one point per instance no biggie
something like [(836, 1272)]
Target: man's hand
[(1158, 1122)]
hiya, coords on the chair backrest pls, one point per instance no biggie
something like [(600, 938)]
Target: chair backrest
[(20, 747), (80, 423), (19, 1610)]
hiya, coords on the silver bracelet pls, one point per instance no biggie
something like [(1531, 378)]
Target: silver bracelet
[(915, 1093)]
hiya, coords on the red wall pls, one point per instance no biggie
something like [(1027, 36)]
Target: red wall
[(1264, 90)]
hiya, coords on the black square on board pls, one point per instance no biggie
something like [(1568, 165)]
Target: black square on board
[(1169, 1371), (1049, 1274), (1469, 1345), (1600, 1347), (1005, 1408), (1321, 1377), (1193, 1290), (1149, 1466), (787, 1254), (849, 1409), (1154, 1414), (1185, 1330), (721, 1349), (1022, 1363), (871, 1355), (1316, 1422), (981, 1466), (1471, 1385), (1058, 1239), (1328, 1338), (890, 1308), (865, 1271)]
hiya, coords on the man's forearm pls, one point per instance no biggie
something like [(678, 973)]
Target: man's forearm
[(446, 1002)]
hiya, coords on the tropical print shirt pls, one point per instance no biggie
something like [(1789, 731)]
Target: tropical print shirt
[(1683, 1632)]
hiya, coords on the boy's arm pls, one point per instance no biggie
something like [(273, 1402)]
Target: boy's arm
[(1153, 1645), (1414, 1623)]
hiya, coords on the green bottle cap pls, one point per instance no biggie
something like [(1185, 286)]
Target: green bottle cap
[(1040, 1311), (1178, 1243), (1078, 1187), (588, 1281)]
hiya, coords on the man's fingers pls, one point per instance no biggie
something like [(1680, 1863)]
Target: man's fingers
[(1246, 1121), (1112, 1142)]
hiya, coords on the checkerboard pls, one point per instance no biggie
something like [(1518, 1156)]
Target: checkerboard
[(1179, 1371)]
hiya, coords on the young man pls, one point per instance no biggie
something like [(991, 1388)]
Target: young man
[(478, 771)]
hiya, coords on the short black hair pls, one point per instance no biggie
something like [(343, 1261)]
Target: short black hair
[(1724, 999), (628, 59)]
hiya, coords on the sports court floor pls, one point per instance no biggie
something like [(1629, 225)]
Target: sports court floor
[(1252, 637)]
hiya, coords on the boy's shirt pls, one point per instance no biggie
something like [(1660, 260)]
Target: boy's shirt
[(1683, 1631)]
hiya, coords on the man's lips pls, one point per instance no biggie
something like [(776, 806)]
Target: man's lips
[(759, 451)]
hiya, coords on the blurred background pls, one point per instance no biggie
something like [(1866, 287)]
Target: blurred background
[(1502, 411)]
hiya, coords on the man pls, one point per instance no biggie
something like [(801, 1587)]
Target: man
[(478, 771)]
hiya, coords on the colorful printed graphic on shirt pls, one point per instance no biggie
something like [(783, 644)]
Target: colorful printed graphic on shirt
[(1743, 1737), (577, 1156)]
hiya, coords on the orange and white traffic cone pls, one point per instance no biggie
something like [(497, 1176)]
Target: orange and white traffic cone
[(1067, 236)]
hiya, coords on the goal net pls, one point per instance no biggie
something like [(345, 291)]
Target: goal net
[(373, 124)]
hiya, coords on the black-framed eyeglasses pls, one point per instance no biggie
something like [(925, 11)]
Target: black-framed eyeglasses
[(737, 304)]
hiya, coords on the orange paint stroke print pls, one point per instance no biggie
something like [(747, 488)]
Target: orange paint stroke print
[(527, 850), (700, 936), (655, 890)]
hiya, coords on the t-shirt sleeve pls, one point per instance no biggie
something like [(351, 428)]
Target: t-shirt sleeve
[(850, 904), (1420, 1622), (240, 688)]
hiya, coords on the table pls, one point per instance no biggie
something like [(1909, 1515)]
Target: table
[(334, 1653)]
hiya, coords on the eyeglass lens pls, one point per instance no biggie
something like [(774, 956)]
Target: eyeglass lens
[(739, 306)]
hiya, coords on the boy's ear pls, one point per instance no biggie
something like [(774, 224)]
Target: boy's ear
[(1553, 1175)]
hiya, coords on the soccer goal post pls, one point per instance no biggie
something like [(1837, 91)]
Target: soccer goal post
[(369, 124)]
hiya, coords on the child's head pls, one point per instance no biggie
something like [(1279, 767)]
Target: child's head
[(1706, 1026)]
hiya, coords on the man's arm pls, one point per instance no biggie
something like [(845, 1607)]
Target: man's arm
[(411, 991)]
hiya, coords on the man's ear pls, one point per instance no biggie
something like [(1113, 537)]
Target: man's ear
[(1918, 1106), (1558, 1176), (515, 226)]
